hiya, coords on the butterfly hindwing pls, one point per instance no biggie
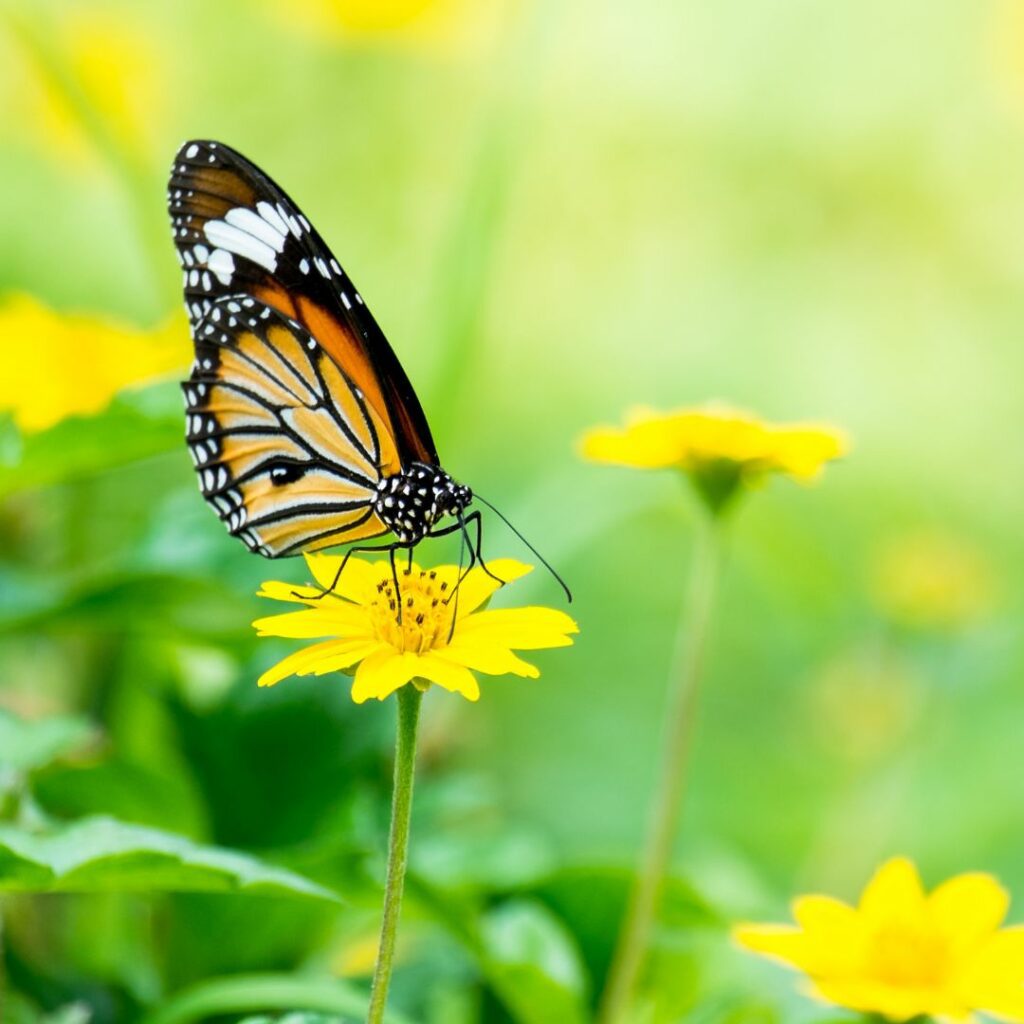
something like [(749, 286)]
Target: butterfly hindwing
[(238, 233), (287, 449)]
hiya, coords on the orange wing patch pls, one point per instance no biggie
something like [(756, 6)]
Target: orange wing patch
[(315, 531), (345, 349), (287, 449)]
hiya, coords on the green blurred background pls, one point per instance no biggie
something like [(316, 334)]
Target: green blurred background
[(556, 210)]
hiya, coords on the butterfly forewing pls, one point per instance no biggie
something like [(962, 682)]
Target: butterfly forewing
[(238, 233), (287, 448)]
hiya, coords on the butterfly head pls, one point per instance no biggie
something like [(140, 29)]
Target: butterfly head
[(409, 503)]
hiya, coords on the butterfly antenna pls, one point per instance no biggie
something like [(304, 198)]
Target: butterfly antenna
[(547, 565)]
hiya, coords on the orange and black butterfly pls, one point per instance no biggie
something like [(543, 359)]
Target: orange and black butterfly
[(302, 424)]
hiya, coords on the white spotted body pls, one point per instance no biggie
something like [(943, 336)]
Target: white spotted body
[(410, 503)]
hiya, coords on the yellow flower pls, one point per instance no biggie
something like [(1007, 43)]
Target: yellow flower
[(361, 616), (720, 449), (903, 953), (439, 25), (60, 366), (89, 66), (932, 578)]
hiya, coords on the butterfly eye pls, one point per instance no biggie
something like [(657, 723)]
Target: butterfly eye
[(287, 472)]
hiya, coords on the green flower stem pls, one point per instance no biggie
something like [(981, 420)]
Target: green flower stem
[(635, 934), (409, 700)]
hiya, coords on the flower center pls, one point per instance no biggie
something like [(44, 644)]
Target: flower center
[(906, 956), (425, 617)]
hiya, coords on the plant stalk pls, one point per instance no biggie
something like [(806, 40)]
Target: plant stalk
[(409, 700), (635, 934)]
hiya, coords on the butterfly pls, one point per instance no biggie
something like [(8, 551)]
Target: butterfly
[(303, 427)]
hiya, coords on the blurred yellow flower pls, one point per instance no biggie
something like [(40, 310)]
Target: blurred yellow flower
[(720, 449), (933, 579), (60, 365), (444, 25), (361, 617), (85, 76), (903, 953)]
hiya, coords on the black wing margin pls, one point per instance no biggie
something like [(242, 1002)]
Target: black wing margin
[(237, 232)]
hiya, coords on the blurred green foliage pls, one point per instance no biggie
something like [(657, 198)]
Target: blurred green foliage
[(812, 210)]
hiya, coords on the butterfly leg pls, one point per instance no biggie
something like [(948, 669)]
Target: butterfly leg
[(390, 548), (477, 520)]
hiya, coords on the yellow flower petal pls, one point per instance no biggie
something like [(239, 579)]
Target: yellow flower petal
[(382, 673), (346, 620), (834, 929), (894, 1003), (969, 908), (993, 979), (642, 446), (477, 587), (355, 583), (329, 656), (72, 365), (824, 917), (803, 451), (491, 660), (781, 942), (451, 676), (279, 591), (524, 629), (1004, 953), (893, 893)]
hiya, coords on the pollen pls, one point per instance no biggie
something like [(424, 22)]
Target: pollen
[(425, 620)]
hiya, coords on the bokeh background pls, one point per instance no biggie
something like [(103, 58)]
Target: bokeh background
[(557, 210)]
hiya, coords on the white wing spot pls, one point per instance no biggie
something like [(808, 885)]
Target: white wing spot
[(191, 151), (257, 226), (241, 243), (271, 216), (222, 263)]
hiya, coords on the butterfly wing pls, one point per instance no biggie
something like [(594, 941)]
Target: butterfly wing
[(237, 232), (287, 448)]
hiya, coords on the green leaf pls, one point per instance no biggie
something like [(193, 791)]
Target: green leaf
[(27, 746), (591, 899), (296, 1017), (266, 992), (531, 961), (135, 425), (102, 855)]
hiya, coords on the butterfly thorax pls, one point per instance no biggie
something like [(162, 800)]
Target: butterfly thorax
[(409, 503)]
